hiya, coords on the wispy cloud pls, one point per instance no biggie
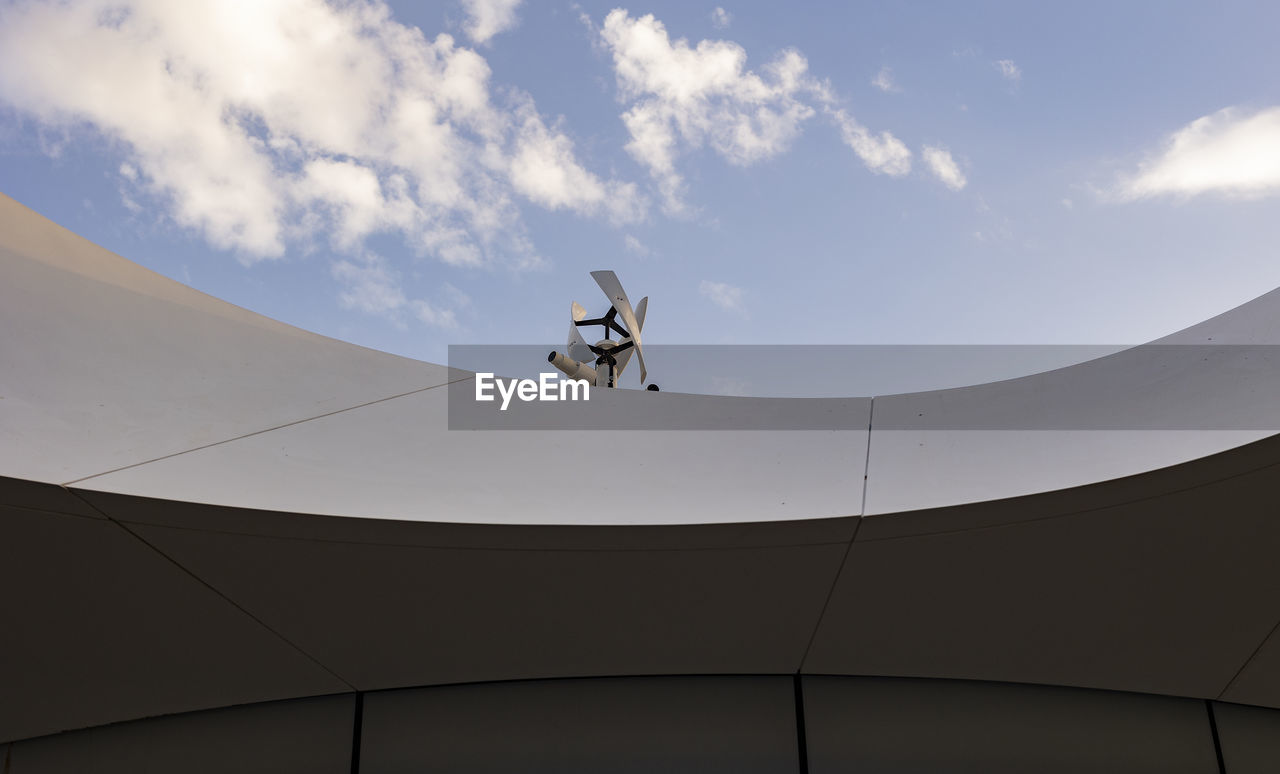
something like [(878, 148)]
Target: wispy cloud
[(884, 81), (486, 18), (545, 170), (370, 284), (679, 94), (330, 121), (434, 315), (1009, 70), (635, 246), (723, 295), (720, 18), (1230, 153), (943, 167), (883, 154)]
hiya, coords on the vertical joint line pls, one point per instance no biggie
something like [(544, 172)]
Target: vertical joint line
[(356, 727), (802, 741), (866, 461), (1213, 729)]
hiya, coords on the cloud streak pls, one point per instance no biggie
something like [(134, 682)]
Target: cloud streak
[(883, 154), (723, 295), (370, 284), (1009, 70), (943, 167), (1229, 153), (884, 81)]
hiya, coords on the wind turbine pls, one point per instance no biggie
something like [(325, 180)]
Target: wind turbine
[(601, 364)]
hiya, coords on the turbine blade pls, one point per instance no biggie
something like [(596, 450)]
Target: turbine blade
[(608, 282)]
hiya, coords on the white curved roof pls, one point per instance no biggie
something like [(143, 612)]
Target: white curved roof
[(119, 380), (173, 470)]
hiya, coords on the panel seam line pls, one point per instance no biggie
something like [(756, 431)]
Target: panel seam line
[(866, 460), (264, 430), (1248, 661), (219, 593), (844, 560)]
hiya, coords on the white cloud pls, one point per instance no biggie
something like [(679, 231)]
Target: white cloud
[(679, 94), (358, 203), (434, 315), (486, 18), (884, 81), (943, 167), (883, 154), (720, 18), (1230, 152), (723, 295), (544, 170), (274, 122), (1009, 70), (635, 246), (371, 285)]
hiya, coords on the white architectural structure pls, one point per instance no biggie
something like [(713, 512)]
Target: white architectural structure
[(266, 550)]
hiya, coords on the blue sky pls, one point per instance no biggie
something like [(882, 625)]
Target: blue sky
[(414, 175)]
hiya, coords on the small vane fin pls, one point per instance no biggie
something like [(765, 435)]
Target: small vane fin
[(577, 348)]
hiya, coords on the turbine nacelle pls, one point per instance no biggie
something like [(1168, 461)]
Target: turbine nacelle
[(572, 368)]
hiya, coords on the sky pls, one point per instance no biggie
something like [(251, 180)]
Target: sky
[(409, 176)]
